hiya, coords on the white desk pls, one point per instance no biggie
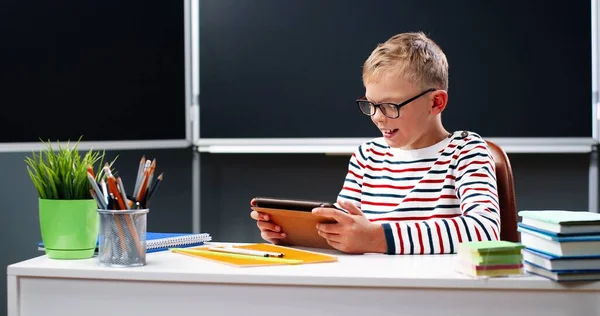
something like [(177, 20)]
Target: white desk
[(174, 284)]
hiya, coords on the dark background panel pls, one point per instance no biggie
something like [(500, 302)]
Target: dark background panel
[(107, 70), (273, 68)]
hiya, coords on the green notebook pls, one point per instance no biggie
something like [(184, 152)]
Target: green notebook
[(563, 217), (496, 259), (495, 247)]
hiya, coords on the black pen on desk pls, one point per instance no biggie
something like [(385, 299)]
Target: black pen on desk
[(250, 252)]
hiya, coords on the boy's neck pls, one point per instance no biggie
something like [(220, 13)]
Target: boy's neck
[(433, 136)]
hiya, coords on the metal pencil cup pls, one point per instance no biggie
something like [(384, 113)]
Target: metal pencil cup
[(122, 238)]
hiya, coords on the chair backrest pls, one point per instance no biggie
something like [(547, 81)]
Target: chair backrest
[(506, 194)]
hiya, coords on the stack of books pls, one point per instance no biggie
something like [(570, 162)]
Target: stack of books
[(561, 245), (490, 258)]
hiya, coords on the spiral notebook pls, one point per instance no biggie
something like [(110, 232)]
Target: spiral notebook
[(163, 241)]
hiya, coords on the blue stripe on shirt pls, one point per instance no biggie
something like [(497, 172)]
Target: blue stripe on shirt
[(349, 197), (401, 162), (353, 181), (409, 236), (449, 235), (466, 228), (473, 155), (470, 195), (482, 227), (391, 178), (430, 238), (448, 186), (409, 209), (477, 182), (389, 238)]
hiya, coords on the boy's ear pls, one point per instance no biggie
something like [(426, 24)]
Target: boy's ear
[(440, 100)]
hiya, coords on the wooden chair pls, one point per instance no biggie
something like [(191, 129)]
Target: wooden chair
[(506, 194)]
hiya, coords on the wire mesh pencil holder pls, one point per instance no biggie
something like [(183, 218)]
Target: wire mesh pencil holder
[(122, 238)]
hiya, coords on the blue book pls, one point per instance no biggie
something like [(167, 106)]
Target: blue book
[(561, 264), (559, 245), (163, 241), (564, 275)]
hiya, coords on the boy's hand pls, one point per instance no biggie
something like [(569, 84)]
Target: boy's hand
[(268, 231), (353, 232)]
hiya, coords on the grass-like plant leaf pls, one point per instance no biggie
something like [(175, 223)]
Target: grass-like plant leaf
[(62, 174)]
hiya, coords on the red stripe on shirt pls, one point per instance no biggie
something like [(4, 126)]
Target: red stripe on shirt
[(475, 162), (433, 199), (420, 238), (478, 234), (400, 241), (413, 218), (388, 186), (441, 240), (354, 174), (378, 203), (398, 170), (378, 153), (457, 230), (352, 189)]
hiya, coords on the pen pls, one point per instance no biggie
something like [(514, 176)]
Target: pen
[(247, 252), (233, 255)]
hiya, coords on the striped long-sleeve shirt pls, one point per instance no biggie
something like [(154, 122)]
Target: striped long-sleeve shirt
[(428, 200)]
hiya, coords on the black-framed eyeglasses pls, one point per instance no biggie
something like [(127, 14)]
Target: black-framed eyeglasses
[(391, 110)]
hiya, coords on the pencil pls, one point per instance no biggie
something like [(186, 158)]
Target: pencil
[(121, 188), (249, 252), (104, 190), (138, 178), (208, 253), (94, 185), (142, 189)]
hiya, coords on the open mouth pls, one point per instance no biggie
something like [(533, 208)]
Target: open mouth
[(387, 133)]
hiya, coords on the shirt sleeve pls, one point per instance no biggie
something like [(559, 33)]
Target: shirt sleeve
[(352, 188), (476, 188)]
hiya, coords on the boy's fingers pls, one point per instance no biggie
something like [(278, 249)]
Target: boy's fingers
[(268, 226), (330, 237), (259, 216), (350, 207), (329, 228), (271, 235), (336, 214)]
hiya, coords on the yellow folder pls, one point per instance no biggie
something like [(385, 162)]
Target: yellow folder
[(290, 255)]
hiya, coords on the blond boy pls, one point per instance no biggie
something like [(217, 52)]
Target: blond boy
[(418, 189)]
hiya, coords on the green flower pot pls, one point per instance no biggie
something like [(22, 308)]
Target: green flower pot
[(69, 228)]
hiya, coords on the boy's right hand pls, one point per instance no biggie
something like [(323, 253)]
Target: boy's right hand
[(268, 231)]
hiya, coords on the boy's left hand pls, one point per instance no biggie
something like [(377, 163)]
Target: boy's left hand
[(353, 232)]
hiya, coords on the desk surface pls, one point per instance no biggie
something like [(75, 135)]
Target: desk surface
[(370, 270)]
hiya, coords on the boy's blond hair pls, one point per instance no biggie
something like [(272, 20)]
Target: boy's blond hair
[(412, 56)]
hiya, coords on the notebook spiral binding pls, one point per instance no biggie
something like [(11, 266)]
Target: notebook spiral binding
[(177, 241)]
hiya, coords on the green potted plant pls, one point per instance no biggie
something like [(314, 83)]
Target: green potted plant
[(67, 211)]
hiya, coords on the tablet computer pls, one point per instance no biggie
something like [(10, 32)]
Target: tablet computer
[(296, 220)]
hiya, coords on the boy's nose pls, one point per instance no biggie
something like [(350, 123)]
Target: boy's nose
[(378, 116)]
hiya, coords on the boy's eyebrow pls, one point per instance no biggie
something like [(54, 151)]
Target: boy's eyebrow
[(386, 100)]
